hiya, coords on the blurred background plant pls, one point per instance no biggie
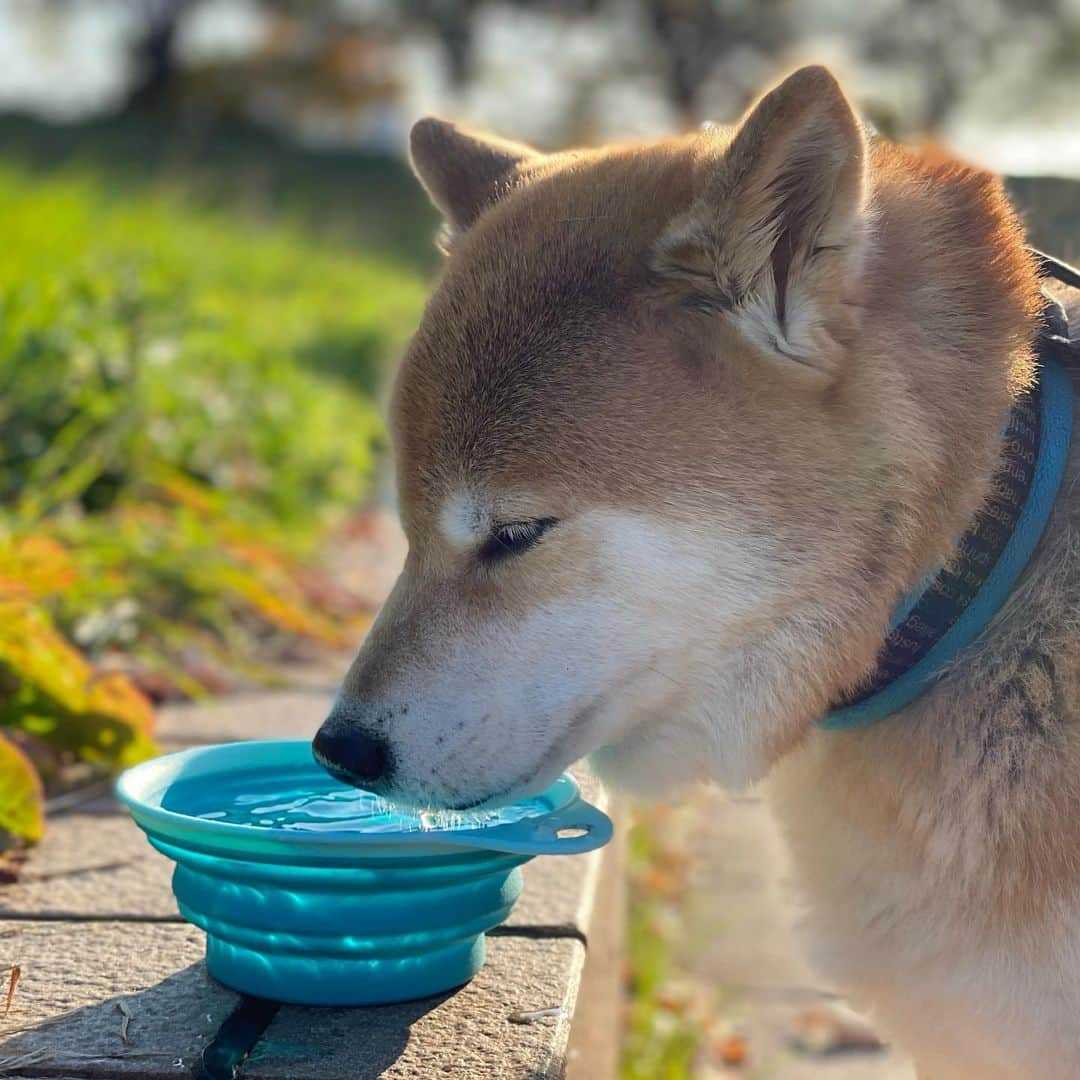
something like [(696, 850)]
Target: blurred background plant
[(212, 252), (179, 429), (187, 415)]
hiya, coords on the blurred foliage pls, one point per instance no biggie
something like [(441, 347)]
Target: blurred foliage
[(185, 410), (663, 1031), (140, 333), (342, 200), (20, 795), (1050, 208), (568, 68)]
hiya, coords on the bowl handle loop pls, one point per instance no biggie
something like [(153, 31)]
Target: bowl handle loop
[(577, 828)]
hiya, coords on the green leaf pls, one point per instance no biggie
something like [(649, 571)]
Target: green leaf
[(21, 811), (52, 692)]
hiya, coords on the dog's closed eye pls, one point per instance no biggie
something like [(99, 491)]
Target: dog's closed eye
[(514, 538)]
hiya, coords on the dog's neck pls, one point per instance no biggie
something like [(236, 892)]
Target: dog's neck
[(949, 610), (952, 312), (951, 307)]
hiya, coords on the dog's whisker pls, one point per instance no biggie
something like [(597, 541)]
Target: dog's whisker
[(664, 675)]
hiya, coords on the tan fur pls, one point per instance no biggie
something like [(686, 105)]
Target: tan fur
[(778, 356), (548, 328)]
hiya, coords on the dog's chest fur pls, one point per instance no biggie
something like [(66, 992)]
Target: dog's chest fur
[(940, 848)]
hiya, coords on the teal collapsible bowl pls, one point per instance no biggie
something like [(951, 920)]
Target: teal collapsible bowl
[(332, 897)]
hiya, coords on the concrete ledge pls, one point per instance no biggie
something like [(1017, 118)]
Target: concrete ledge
[(66, 1017), (113, 983), (468, 1033)]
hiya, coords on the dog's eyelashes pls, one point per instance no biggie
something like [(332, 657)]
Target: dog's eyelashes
[(514, 538)]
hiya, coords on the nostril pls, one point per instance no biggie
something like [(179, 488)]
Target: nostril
[(351, 755)]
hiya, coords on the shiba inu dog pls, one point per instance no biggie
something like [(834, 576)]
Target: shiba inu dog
[(683, 422)]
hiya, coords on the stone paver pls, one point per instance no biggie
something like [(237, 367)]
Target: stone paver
[(96, 866), (594, 1049), (468, 1034), (66, 1019), (739, 937), (93, 866), (100, 866)]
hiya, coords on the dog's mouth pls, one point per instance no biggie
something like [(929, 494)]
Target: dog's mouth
[(576, 741), (533, 782), (488, 802), (559, 756)]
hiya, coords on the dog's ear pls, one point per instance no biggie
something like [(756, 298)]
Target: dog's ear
[(464, 172), (778, 223)]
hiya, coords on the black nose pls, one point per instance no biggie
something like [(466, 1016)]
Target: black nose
[(350, 754)]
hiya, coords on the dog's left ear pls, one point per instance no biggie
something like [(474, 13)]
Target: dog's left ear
[(464, 172), (777, 227)]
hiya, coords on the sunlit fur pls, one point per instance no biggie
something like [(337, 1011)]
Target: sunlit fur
[(757, 374)]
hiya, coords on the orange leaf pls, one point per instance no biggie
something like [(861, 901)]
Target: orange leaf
[(100, 715), (32, 650), (114, 695), (187, 492), (256, 554), (285, 612), (34, 565)]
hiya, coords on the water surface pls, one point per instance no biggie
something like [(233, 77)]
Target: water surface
[(311, 802)]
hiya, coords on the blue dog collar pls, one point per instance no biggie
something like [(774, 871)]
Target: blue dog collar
[(896, 683)]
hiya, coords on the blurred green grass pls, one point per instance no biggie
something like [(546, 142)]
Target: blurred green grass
[(139, 331), (230, 302), (661, 1039), (365, 204)]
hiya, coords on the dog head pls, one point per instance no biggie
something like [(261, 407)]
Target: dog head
[(632, 461)]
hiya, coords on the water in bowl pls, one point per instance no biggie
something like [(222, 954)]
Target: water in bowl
[(313, 802)]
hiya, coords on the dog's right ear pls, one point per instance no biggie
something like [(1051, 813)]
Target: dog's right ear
[(778, 227), (464, 172)]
